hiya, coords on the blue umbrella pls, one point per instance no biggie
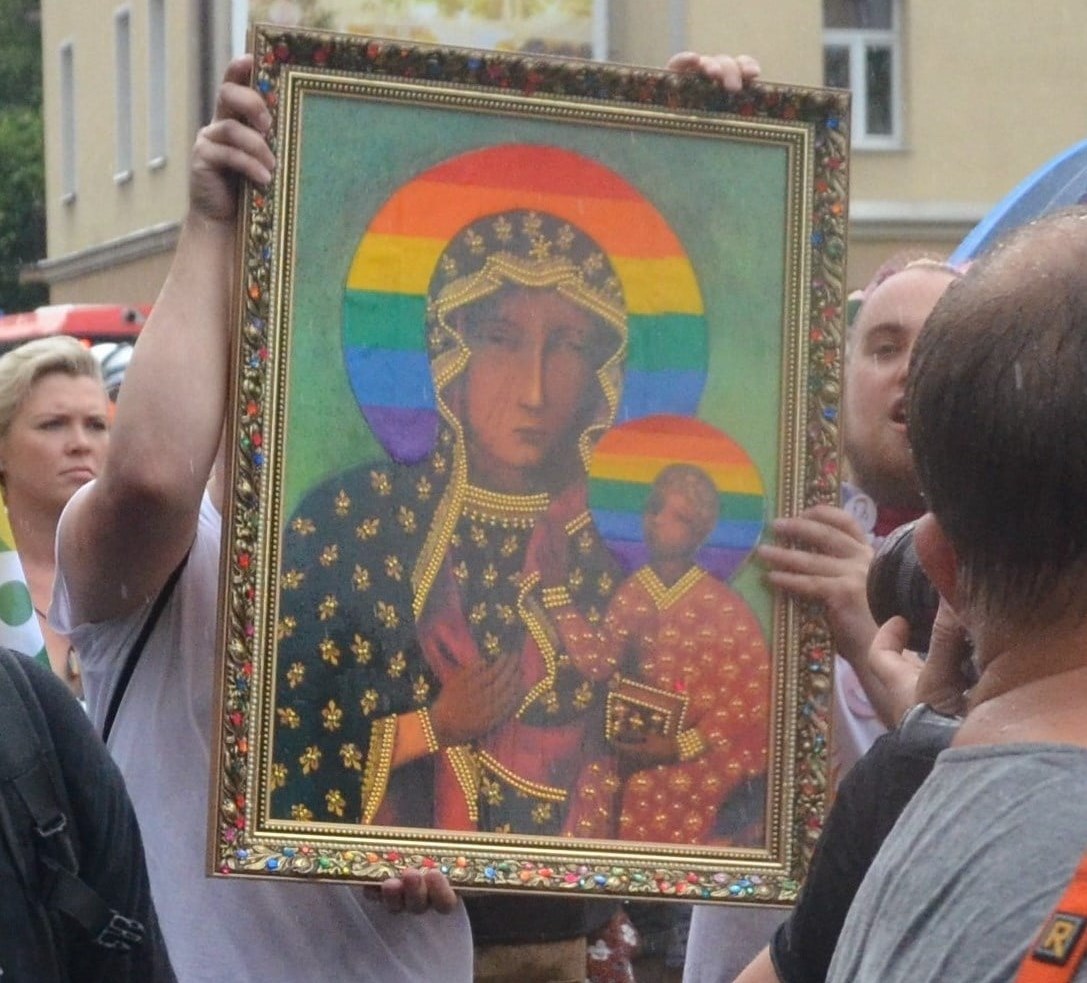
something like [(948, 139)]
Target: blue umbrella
[(1060, 182)]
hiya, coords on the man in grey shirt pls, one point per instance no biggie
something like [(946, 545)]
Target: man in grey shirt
[(997, 401)]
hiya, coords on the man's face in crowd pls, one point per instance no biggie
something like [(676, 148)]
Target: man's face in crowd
[(873, 413)]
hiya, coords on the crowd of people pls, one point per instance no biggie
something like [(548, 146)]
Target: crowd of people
[(956, 831)]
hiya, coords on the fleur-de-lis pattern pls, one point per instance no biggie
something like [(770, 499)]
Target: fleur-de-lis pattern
[(375, 555), (351, 658)]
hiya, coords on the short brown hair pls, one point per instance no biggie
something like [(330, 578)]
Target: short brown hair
[(997, 408)]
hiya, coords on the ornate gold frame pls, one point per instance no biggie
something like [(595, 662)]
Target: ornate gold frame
[(808, 129)]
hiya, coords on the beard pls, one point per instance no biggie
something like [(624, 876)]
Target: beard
[(887, 475)]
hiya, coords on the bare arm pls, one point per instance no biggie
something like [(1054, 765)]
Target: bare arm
[(120, 540), (759, 970)]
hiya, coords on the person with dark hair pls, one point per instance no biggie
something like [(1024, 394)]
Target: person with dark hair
[(996, 401), (865, 808), (823, 556)]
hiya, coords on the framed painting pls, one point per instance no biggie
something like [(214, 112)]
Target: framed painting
[(529, 353)]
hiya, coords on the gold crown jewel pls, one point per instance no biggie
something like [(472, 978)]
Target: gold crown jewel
[(531, 249)]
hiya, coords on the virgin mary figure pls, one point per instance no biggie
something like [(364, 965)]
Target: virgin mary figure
[(420, 679)]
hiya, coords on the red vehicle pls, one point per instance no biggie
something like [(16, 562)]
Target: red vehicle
[(109, 330)]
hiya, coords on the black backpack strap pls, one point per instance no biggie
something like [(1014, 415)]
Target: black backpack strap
[(136, 651), (21, 756), (79, 901), (27, 766)]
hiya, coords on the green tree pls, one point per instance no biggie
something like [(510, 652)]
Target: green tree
[(20, 53), (22, 174), (22, 206)]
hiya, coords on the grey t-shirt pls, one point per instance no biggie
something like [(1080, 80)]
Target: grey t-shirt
[(968, 876)]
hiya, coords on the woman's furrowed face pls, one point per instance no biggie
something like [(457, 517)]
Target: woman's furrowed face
[(528, 380), (57, 439)]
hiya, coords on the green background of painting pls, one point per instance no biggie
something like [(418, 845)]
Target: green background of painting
[(724, 199)]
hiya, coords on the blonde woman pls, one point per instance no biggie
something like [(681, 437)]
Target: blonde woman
[(54, 428)]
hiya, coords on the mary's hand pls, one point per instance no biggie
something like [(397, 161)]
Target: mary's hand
[(475, 700)]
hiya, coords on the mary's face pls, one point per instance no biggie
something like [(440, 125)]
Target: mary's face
[(528, 383)]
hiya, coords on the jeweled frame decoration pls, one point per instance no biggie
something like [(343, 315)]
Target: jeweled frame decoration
[(304, 74)]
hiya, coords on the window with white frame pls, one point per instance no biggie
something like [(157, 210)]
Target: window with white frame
[(67, 123), (156, 75), (862, 51), (122, 53)]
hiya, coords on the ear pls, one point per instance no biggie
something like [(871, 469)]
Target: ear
[(938, 558)]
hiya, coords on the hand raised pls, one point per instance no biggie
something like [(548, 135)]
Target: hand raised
[(732, 73), (826, 560), (949, 672), (894, 668), (231, 146)]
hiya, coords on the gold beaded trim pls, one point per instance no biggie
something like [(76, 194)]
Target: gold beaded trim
[(500, 521), (432, 555), (427, 725), (578, 522), (555, 597), (379, 763), (502, 505), (558, 272), (545, 792), (626, 691), (691, 745), (466, 772), (546, 637), (665, 597)]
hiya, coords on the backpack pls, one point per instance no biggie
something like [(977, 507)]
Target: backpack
[(47, 909)]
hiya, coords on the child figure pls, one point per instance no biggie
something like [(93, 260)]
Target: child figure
[(686, 641)]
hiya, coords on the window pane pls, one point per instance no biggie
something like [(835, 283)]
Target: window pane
[(156, 79), (67, 120), (859, 13), (122, 51), (836, 66), (879, 118)]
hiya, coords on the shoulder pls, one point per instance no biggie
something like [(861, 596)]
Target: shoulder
[(36, 688), (61, 727), (924, 732), (899, 761)]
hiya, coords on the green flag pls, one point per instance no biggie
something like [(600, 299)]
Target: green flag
[(19, 628)]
